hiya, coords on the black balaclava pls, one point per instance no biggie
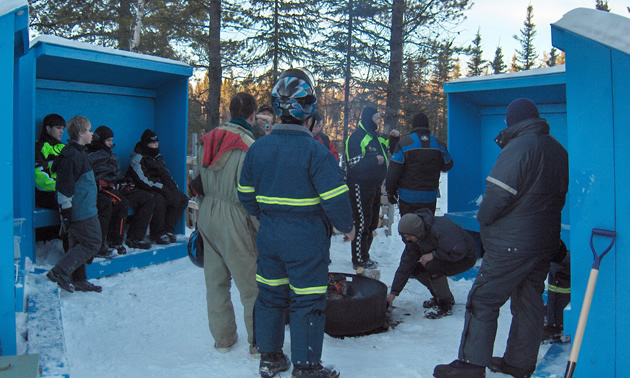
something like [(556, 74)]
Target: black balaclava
[(366, 119), (147, 137)]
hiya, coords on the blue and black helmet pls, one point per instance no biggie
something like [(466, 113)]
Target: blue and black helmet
[(294, 96)]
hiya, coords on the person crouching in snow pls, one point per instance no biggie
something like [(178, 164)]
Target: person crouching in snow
[(436, 247), (148, 171)]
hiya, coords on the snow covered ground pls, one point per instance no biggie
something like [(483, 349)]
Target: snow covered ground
[(152, 322)]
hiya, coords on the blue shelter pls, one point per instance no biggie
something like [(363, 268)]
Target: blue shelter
[(587, 105), (126, 91), (13, 45)]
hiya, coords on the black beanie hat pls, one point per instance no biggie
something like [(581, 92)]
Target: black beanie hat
[(520, 110), (411, 224), (367, 114), (102, 133), (420, 120), (148, 136)]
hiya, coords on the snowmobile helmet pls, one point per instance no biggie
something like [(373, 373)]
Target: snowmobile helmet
[(195, 248), (293, 96)]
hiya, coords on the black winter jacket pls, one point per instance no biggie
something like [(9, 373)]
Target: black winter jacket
[(362, 147), (149, 171), (414, 171), (525, 191), (444, 238), (104, 162)]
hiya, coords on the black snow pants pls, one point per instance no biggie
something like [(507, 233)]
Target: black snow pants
[(504, 276), (170, 204), (366, 204)]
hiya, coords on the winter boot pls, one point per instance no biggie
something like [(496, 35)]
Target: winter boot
[(367, 264), (162, 239), (60, 279), (140, 244), (498, 365), (459, 369), (444, 308), (317, 371), (86, 286), (433, 302), (105, 253), (120, 249), (273, 363), (171, 237)]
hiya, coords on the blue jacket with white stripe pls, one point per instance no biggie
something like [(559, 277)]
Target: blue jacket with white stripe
[(414, 171), (289, 173)]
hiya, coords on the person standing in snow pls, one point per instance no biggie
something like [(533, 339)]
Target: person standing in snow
[(436, 247), (293, 185), (316, 129), (413, 177), (520, 220), (76, 195), (228, 231), (367, 161)]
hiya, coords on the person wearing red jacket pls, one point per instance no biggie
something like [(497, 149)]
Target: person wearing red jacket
[(316, 130)]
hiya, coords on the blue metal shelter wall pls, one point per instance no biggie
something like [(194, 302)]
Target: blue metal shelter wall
[(591, 199), (621, 122), (13, 41)]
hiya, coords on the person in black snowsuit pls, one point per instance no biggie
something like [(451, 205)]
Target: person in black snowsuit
[(116, 194), (520, 221), (558, 295), (436, 247), (413, 177), (148, 171), (76, 195), (366, 161)]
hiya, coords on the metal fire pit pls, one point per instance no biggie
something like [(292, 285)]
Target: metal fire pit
[(355, 304)]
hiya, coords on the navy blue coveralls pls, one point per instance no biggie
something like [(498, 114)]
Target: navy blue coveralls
[(291, 182)]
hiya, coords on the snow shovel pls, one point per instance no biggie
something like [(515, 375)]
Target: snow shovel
[(588, 298)]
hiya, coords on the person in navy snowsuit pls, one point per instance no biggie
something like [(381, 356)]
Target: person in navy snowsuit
[(292, 184)]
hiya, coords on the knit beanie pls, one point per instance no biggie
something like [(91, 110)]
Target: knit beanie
[(520, 110), (148, 136), (102, 133), (420, 120), (411, 224), (367, 114)]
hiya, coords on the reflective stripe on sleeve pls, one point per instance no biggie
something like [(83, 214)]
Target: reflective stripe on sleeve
[(309, 290), (335, 192), (502, 185), (245, 189)]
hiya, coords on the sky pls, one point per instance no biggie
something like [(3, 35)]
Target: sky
[(498, 21)]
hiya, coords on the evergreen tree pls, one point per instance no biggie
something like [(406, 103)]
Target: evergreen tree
[(527, 54), (477, 63), (135, 25), (514, 67), (444, 63), (553, 57), (498, 66), (279, 35), (602, 5)]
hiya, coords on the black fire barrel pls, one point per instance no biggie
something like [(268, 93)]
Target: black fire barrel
[(356, 306)]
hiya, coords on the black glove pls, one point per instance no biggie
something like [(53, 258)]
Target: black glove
[(392, 198), (66, 217)]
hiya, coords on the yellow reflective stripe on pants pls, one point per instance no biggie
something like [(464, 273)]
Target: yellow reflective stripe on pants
[(276, 282), (309, 290), (559, 290)]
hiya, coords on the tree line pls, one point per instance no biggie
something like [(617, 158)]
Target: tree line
[(394, 54)]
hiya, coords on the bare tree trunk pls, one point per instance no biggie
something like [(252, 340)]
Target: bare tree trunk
[(395, 66), (123, 34), (214, 66), (276, 31), (348, 73), (137, 28)]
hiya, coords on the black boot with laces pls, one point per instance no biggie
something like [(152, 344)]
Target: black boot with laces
[(273, 363), (317, 371)]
